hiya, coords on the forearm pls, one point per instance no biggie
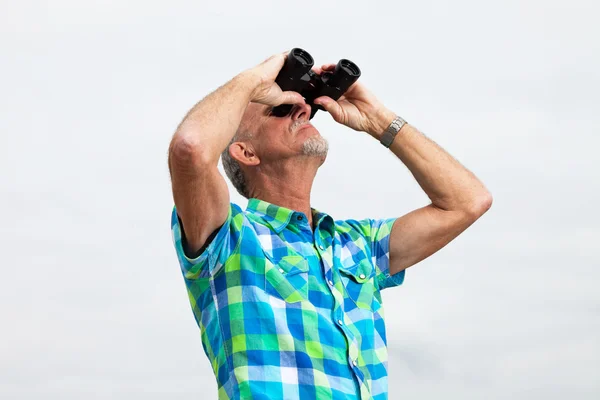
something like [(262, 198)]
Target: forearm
[(448, 184), (211, 124)]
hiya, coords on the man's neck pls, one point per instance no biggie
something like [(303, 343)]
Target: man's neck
[(286, 186)]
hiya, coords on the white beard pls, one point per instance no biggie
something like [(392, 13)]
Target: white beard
[(316, 146)]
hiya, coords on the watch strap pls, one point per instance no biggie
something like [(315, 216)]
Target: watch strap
[(390, 133)]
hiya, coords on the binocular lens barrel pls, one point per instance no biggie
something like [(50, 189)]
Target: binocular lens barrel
[(303, 58), (297, 64), (344, 75)]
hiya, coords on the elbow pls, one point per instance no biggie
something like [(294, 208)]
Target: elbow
[(480, 205), (189, 150)]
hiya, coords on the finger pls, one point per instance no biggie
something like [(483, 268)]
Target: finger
[(279, 56), (291, 97), (324, 68), (330, 105), (277, 59)]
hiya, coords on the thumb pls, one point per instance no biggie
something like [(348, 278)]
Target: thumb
[(330, 105), (291, 97)]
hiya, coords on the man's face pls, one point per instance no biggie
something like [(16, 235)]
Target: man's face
[(276, 138)]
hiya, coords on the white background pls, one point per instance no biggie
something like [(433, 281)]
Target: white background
[(93, 302)]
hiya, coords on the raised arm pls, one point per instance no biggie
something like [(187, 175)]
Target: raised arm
[(199, 190), (457, 197)]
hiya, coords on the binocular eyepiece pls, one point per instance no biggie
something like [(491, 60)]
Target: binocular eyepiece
[(297, 75)]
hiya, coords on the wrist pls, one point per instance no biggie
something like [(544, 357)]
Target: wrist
[(248, 82), (382, 120)]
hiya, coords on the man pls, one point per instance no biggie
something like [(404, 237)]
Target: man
[(288, 300)]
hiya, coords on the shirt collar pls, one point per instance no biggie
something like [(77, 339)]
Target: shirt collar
[(279, 217)]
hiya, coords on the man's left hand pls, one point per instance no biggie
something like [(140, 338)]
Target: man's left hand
[(358, 108)]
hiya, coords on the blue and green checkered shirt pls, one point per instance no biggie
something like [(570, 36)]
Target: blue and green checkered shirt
[(286, 312)]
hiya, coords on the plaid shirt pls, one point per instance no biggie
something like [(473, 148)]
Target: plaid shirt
[(288, 313)]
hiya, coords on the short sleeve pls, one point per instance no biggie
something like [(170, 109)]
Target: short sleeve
[(380, 250), (218, 250), (377, 234)]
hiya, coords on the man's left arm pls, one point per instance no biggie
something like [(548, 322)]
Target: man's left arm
[(457, 197)]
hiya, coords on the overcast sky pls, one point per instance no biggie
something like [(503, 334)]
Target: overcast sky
[(93, 302)]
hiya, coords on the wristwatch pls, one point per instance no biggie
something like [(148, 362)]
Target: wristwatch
[(390, 133)]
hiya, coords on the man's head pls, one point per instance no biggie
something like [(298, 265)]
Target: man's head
[(266, 144)]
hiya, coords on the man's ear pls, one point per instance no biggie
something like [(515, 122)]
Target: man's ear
[(244, 153)]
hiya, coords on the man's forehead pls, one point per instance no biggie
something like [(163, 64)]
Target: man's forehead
[(256, 106), (264, 108), (257, 109), (253, 117)]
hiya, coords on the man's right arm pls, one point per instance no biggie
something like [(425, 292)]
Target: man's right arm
[(200, 192)]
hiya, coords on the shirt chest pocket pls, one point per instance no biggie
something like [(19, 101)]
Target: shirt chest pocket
[(359, 281), (287, 278)]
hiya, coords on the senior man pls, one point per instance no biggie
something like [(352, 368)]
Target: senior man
[(288, 299)]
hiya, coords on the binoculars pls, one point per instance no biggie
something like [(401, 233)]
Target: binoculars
[(297, 75)]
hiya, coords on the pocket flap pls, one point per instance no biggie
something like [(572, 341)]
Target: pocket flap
[(359, 272), (291, 265)]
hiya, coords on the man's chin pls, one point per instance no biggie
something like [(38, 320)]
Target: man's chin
[(315, 146)]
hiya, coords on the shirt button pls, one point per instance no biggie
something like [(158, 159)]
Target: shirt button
[(299, 217), (321, 247), (362, 276), (340, 322), (354, 362), (281, 270), (330, 282)]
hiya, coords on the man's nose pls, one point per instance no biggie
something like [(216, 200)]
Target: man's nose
[(301, 111)]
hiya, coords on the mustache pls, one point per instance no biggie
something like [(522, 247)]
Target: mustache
[(297, 124)]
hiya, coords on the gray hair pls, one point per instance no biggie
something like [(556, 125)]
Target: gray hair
[(232, 167)]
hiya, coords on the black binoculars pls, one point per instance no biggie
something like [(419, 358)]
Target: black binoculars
[(297, 75)]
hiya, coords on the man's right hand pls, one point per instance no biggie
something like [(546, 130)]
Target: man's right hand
[(267, 91), (199, 191)]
